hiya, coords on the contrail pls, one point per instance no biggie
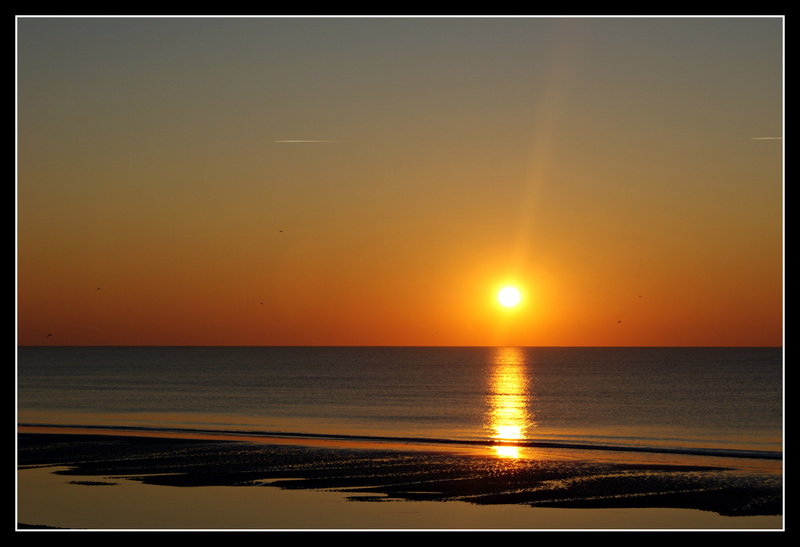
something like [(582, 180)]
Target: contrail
[(306, 140)]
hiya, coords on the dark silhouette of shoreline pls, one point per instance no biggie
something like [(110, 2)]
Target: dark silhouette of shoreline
[(378, 474)]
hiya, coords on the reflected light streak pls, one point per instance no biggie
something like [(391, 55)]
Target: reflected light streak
[(508, 416)]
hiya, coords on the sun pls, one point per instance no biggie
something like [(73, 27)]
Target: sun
[(508, 296)]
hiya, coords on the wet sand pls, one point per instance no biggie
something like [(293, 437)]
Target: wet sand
[(127, 482)]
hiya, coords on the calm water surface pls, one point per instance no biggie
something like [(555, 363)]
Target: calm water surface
[(720, 400)]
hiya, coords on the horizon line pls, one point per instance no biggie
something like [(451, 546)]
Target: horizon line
[(700, 346)]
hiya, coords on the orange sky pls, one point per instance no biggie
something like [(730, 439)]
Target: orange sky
[(625, 174)]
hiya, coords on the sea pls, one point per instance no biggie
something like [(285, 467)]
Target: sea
[(641, 402)]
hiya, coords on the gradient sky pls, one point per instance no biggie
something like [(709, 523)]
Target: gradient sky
[(375, 181)]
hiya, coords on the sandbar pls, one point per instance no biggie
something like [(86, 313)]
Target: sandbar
[(130, 482)]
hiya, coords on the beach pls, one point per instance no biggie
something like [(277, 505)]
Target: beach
[(128, 481)]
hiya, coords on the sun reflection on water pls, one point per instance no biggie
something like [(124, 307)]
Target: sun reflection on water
[(508, 416)]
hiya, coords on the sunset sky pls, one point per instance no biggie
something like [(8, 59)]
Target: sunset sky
[(376, 181)]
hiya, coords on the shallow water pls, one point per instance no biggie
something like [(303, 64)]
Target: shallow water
[(54, 500)]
